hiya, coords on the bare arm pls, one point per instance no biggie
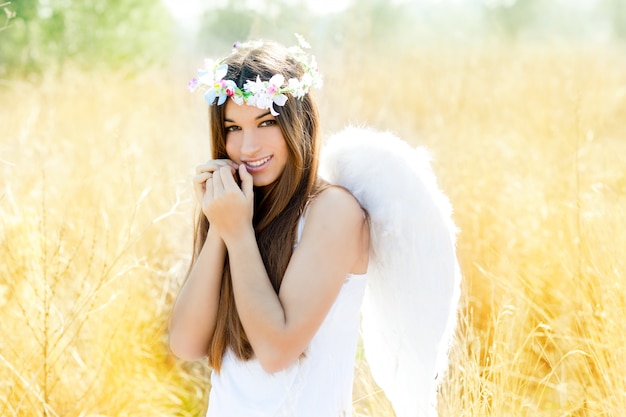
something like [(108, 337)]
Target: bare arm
[(194, 315), (333, 243)]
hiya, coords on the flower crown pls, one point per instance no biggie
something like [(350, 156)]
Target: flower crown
[(261, 94)]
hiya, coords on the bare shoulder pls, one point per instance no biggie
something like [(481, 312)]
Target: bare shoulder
[(336, 205), (338, 223)]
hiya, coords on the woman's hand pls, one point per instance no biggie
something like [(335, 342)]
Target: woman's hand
[(204, 173), (228, 207)]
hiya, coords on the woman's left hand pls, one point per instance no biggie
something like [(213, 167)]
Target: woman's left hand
[(229, 208)]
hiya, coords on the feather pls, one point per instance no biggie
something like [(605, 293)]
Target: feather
[(413, 279)]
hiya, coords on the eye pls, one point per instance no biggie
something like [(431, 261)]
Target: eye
[(269, 122), (232, 128)]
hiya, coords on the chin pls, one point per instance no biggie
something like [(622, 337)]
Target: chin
[(261, 182)]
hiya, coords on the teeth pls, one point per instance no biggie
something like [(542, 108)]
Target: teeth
[(258, 163)]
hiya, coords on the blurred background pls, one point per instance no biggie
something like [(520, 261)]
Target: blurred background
[(522, 104)]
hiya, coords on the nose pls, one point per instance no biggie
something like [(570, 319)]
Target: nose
[(250, 144)]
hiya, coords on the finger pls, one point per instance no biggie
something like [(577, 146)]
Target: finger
[(212, 165), (247, 181), (199, 189), (208, 167), (228, 179), (201, 168), (218, 184), (208, 194), (199, 182), (202, 177), (232, 164), (215, 164)]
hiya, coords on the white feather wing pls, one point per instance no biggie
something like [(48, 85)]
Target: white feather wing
[(413, 284)]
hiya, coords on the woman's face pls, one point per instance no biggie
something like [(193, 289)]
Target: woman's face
[(253, 138)]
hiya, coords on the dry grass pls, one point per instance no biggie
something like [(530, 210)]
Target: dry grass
[(95, 220)]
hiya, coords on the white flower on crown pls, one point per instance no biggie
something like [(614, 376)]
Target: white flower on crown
[(258, 93), (264, 94)]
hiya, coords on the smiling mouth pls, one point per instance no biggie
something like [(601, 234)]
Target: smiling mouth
[(258, 163)]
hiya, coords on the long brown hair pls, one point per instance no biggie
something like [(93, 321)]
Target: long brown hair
[(278, 206)]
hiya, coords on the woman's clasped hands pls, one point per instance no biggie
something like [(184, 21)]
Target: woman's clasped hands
[(227, 205)]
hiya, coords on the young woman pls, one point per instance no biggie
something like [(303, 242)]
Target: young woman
[(274, 292)]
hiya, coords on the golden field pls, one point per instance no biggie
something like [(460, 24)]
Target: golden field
[(528, 141)]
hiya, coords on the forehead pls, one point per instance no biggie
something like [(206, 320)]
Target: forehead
[(236, 112)]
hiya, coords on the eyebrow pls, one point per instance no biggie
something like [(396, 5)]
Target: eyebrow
[(256, 118)]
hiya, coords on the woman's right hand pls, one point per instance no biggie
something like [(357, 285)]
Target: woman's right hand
[(204, 172)]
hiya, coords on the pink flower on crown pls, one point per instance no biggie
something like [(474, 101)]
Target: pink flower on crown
[(274, 92), (274, 84), (193, 84), (264, 94)]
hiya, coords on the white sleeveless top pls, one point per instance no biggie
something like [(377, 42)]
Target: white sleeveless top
[(319, 384)]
